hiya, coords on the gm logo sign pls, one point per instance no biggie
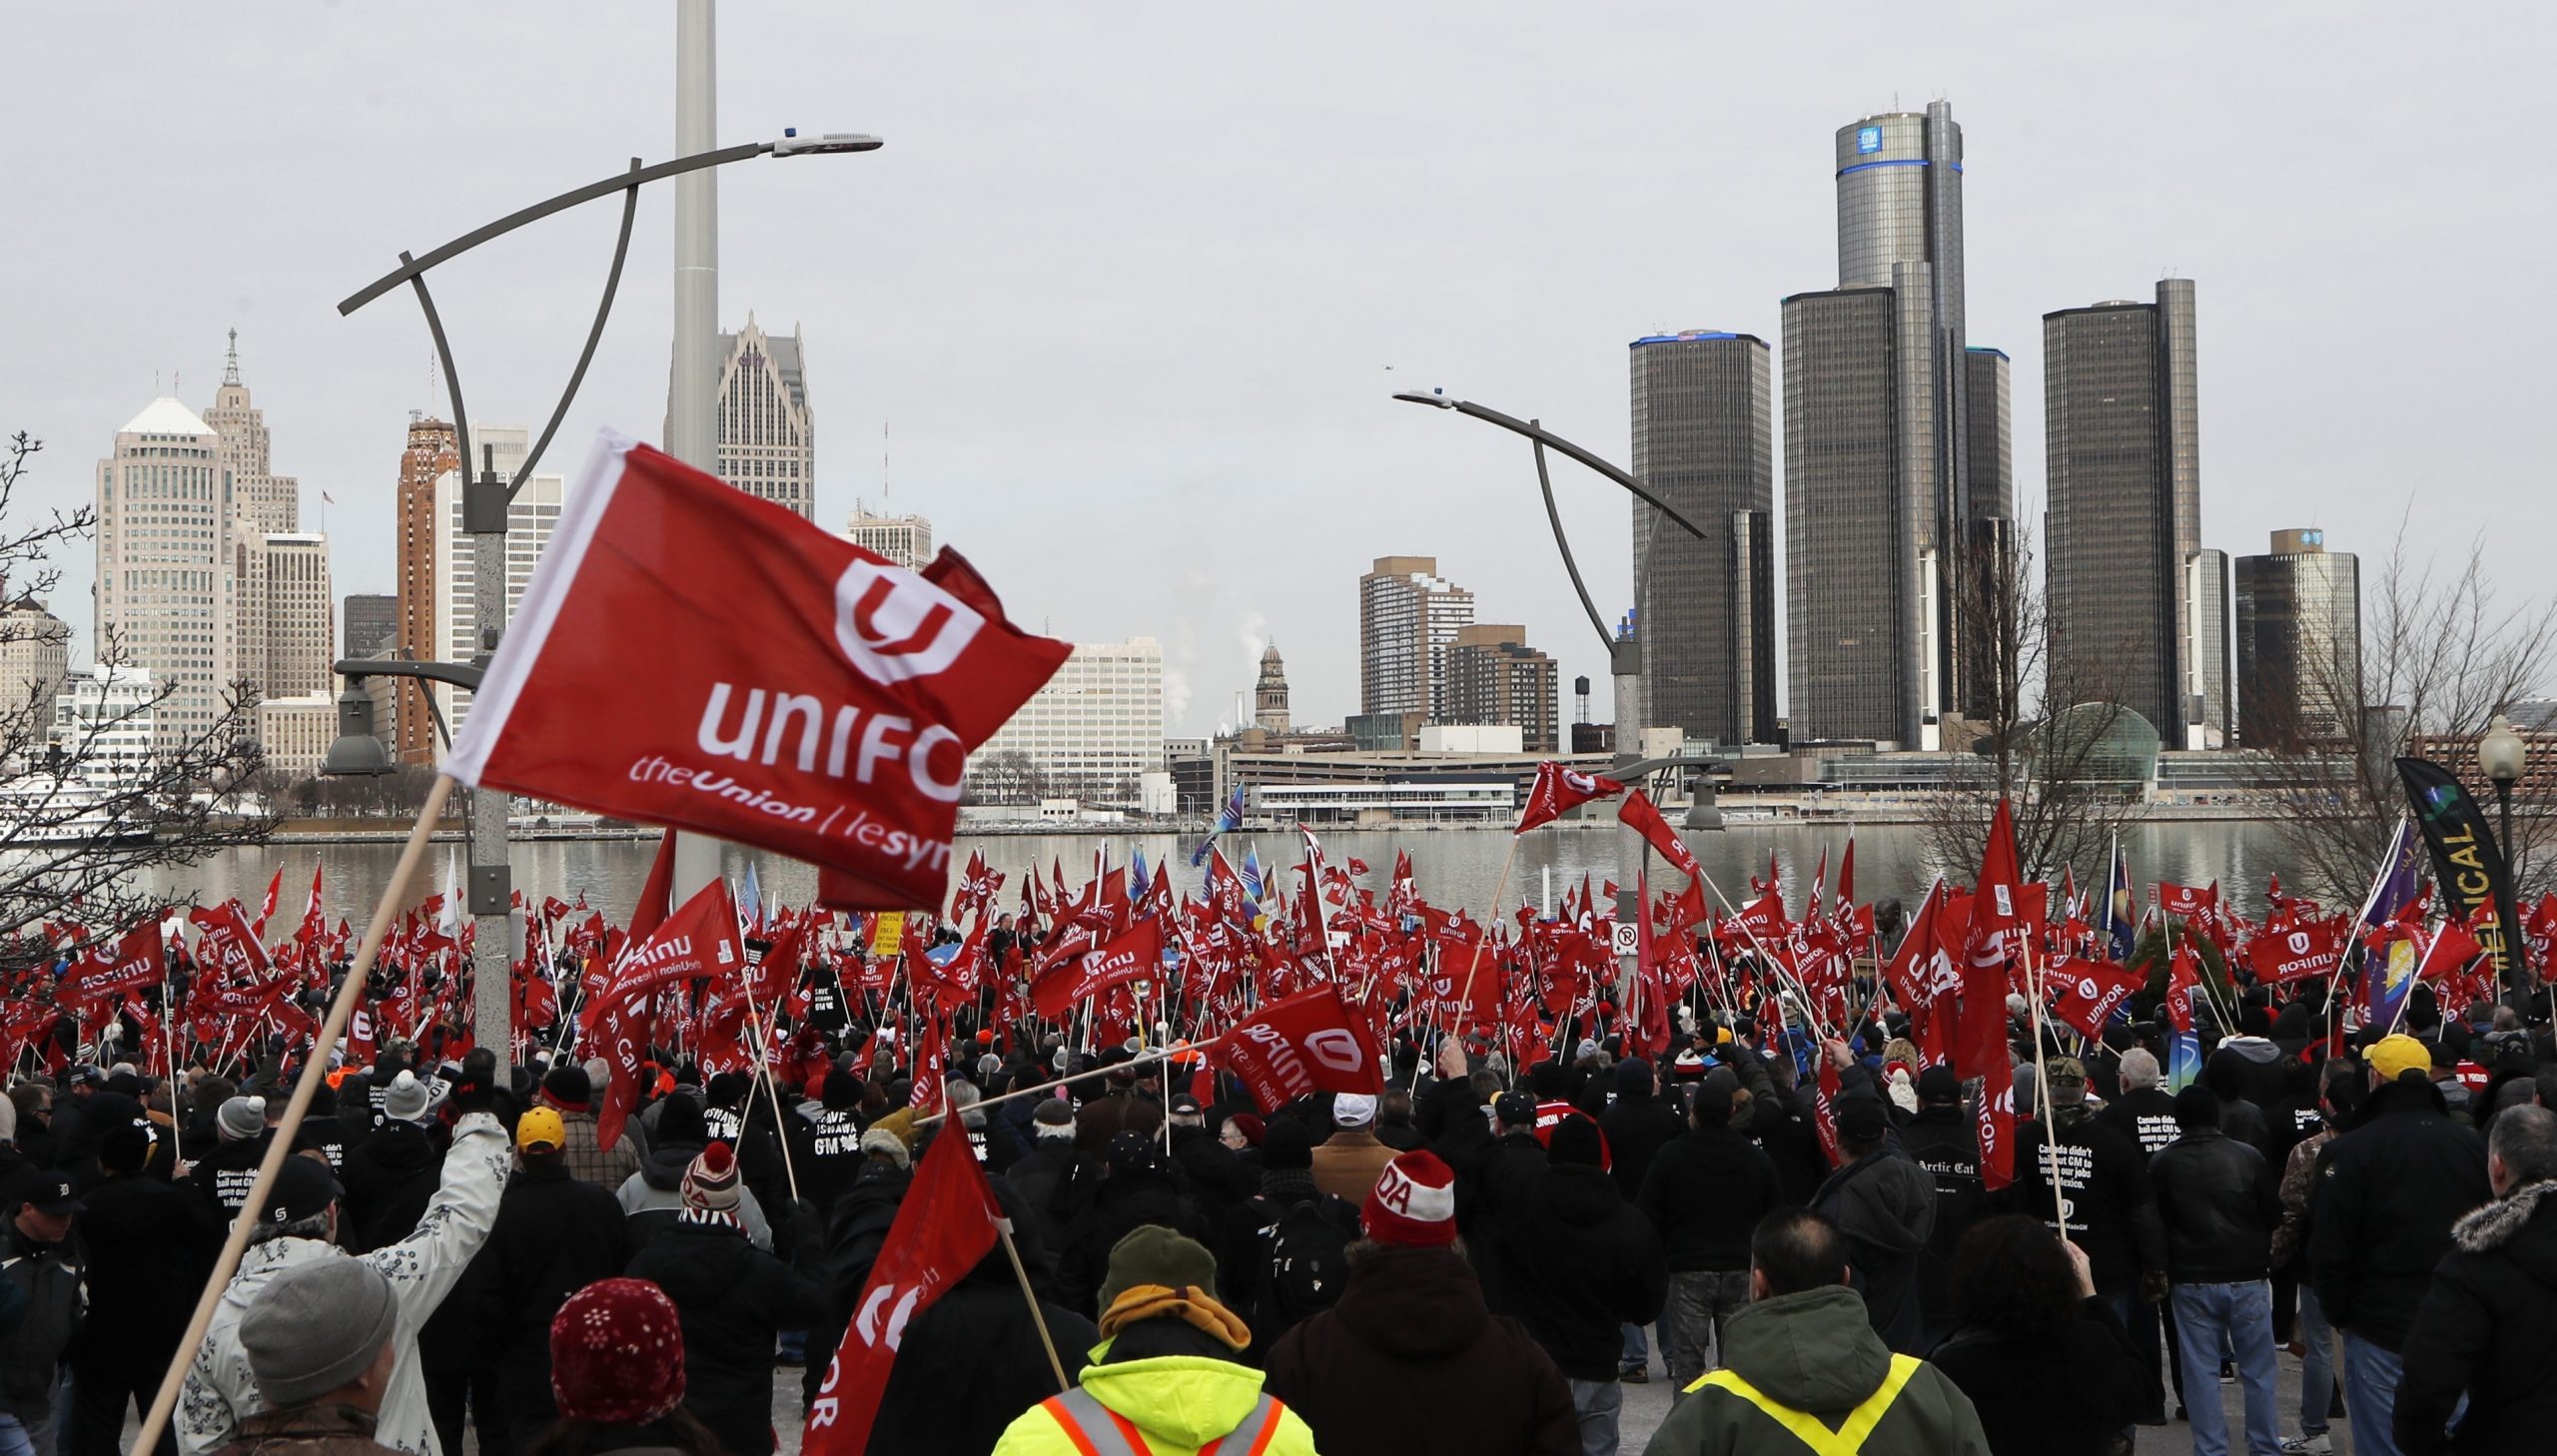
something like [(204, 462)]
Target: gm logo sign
[(1867, 139)]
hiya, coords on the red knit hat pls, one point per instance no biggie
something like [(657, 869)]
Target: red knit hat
[(1413, 1203), (616, 1354)]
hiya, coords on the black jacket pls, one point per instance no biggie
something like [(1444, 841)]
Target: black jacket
[(1885, 1204), (390, 1178), (1501, 1187), (554, 1234), (150, 1246), (1577, 1266), (2146, 1117), (734, 1298), (2381, 1210), (2113, 1210), (1945, 1140), (1048, 1163), (1123, 1202), (2219, 1202), (2484, 1330), (1705, 1194), (1637, 1127), (2047, 1395)]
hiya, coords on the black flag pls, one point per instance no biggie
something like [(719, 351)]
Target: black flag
[(2469, 862)]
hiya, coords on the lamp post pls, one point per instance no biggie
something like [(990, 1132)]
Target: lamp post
[(1625, 653), (485, 501), (2502, 753)]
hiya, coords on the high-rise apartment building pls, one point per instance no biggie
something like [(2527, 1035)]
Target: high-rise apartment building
[(1408, 616), (282, 626), (35, 655), (1270, 693), (432, 453), (530, 519), (1880, 424), (2299, 643), (269, 501), (371, 624), (904, 540), (1493, 677), (164, 573), (2138, 615), (1093, 731), (1704, 610), (767, 434)]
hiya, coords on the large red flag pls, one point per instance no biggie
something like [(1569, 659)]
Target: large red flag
[(1996, 917), (1558, 790), (1135, 956), (1307, 1042), (690, 655), (948, 1221), (266, 906), (2091, 992), (696, 941), (656, 893), (1643, 817), (103, 971)]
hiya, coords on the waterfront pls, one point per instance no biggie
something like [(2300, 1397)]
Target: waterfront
[(1453, 866)]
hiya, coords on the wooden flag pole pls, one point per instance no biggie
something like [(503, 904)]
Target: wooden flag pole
[(280, 1145), (1021, 1271)]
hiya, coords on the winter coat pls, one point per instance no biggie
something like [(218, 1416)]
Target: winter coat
[(652, 1198), (1705, 1194), (2220, 1203), (1885, 1205), (2297, 1175), (1945, 1140), (555, 1235), (219, 1391), (1177, 1403), (1411, 1362), (1048, 1162), (1508, 1179), (149, 1246), (309, 1430), (1215, 1176), (1123, 1202), (1637, 1127), (734, 1298), (1815, 1353), (390, 1176), (973, 1361), (2388, 1191), (224, 1174), (2484, 1330), (2063, 1394), (606, 1167), (2146, 1117), (2113, 1208), (1578, 1264), (1348, 1164), (55, 1306)]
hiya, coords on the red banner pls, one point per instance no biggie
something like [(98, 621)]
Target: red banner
[(1307, 1042)]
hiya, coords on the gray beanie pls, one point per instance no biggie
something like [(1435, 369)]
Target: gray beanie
[(315, 1327), (405, 1098), (241, 1119)]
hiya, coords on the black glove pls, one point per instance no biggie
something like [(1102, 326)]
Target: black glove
[(476, 1091)]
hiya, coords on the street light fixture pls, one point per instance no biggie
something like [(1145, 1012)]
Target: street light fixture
[(357, 751), (2501, 753)]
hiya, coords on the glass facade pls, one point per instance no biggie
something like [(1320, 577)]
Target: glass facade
[(1704, 441), (1849, 557), (2298, 646)]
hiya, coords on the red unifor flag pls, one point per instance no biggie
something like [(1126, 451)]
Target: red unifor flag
[(266, 906), (1643, 817), (947, 1222), (105, 972), (2177, 899), (698, 942), (690, 655), (1305, 1044), (1558, 791), (313, 924), (2091, 992), (1994, 936), (2307, 950), (1135, 956)]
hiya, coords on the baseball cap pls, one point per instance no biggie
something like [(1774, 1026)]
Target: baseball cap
[(50, 1194), (1183, 1104), (1516, 1110), (1353, 1110), (539, 1129), (2394, 1055), (303, 1190)]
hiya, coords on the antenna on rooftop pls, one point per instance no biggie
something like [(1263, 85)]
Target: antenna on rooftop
[(231, 361)]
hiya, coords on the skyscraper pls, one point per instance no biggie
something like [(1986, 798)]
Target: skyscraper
[(1705, 610), (2132, 605), (35, 657), (164, 571), (1408, 616), (530, 519), (1091, 732), (2299, 643), (903, 539), (371, 624), (1884, 398), (1493, 677), (283, 634), (271, 502), (1270, 693), (767, 433), (433, 452)]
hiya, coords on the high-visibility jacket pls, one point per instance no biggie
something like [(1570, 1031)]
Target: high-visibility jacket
[(1170, 1405), (1849, 1438)]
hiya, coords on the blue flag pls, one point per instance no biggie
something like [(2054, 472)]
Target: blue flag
[(1229, 819), (2120, 921), (2390, 978), (1138, 882)]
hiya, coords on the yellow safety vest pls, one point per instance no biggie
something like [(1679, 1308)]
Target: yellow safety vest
[(1849, 1438)]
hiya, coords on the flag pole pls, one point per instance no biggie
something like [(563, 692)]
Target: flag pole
[(2041, 1091), (1038, 1317), (279, 1144)]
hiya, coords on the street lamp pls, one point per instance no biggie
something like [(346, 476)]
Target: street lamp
[(2502, 754), (486, 499)]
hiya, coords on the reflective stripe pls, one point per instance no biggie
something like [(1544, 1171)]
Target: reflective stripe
[(1097, 1430), (1849, 1438)]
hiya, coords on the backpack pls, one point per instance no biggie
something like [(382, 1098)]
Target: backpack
[(1304, 1261)]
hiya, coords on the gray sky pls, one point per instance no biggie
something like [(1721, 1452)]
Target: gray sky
[(1125, 286)]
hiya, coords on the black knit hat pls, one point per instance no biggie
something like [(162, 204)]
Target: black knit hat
[(568, 1085), (1286, 1145)]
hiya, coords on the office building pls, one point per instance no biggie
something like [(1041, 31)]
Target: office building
[(767, 434), (165, 573), (530, 519), (1496, 678), (1092, 732), (372, 625), (2128, 590), (267, 501), (1270, 693), (282, 626), (35, 655), (1880, 393), (1704, 610), (432, 453), (1408, 616), (2299, 643), (106, 717), (904, 540), (295, 732)]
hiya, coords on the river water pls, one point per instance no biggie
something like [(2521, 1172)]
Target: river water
[(1453, 866)]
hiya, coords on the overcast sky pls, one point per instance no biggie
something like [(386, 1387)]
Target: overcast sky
[(1128, 288)]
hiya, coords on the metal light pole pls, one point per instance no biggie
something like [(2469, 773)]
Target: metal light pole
[(2503, 754), (1625, 653), (693, 399)]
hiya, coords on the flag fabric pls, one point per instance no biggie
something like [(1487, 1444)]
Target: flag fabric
[(1559, 790), (105, 972), (1134, 956), (2469, 862), (2091, 992), (2177, 899), (2122, 916), (1305, 1042), (1229, 819), (1643, 817), (698, 942), (947, 1222), (690, 655), (312, 926), (266, 906), (2184, 1043), (2305, 951)]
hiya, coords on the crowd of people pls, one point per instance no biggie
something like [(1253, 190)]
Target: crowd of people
[(1472, 1261)]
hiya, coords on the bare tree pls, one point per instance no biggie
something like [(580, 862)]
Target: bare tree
[(2438, 658), (1010, 777), (2041, 734), (83, 825)]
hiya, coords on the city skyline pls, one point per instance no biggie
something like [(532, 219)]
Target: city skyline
[(1384, 232)]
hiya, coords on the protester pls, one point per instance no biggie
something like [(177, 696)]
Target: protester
[(44, 1266), (1137, 1189), (1884, 1206), (1943, 1138), (1281, 1255), (569, 1091), (652, 1198), (2045, 1359), (1804, 1356), (1348, 1162), (2313, 1339), (1704, 1194), (2220, 1203), (2488, 1319), (320, 1340), (1048, 1165), (392, 1174), (555, 1233), (1411, 1362), (617, 1361), (2388, 1191), (149, 1246)]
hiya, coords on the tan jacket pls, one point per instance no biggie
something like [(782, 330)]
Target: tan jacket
[(2295, 1175), (1349, 1161)]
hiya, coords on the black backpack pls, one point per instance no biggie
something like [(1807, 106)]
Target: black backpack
[(1304, 1261)]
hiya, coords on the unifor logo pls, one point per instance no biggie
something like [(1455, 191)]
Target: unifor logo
[(896, 627), (1336, 1050), (1580, 782)]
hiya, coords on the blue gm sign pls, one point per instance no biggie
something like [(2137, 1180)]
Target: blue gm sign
[(1867, 139)]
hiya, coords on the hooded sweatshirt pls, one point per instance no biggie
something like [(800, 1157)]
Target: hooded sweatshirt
[(1814, 1354)]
